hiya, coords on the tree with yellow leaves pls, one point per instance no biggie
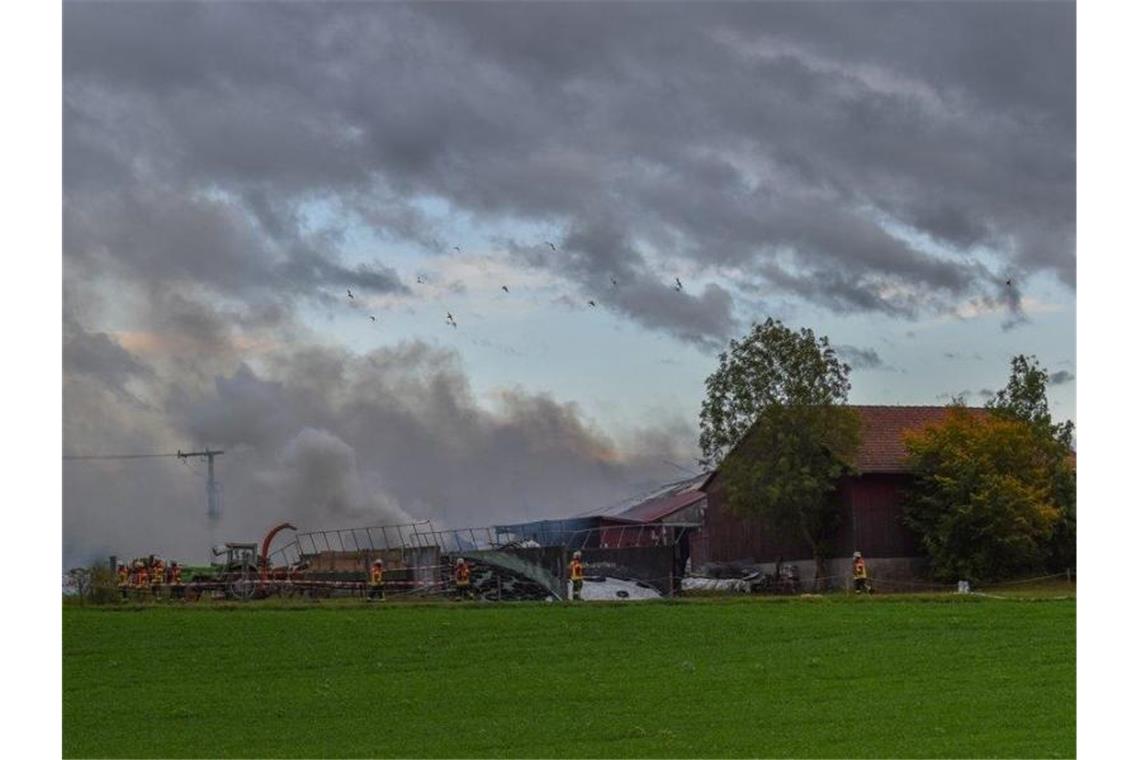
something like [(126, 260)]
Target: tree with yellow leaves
[(983, 501)]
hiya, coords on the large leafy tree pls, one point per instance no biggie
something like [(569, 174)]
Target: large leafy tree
[(1024, 398), (983, 502), (774, 422)]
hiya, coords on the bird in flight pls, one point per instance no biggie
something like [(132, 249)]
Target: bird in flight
[(457, 249), (678, 286), (372, 317), (591, 303), (505, 290), (551, 245), (350, 294), (613, 282), (420, 279), (1009, 283), (451, 320)]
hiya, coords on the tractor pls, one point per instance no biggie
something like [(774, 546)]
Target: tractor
[(237, 569)]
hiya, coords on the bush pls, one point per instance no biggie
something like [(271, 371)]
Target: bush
[(98, 585)]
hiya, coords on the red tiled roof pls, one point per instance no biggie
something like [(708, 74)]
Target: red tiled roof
[(881, 448)]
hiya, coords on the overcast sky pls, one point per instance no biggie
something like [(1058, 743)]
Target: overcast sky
[(876, 172)]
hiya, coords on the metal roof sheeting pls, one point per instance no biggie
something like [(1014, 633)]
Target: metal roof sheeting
[(659, 503)]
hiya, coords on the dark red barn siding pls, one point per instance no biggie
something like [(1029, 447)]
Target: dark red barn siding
[(872, 517), (728, 538), (871, 522), (871, 503)]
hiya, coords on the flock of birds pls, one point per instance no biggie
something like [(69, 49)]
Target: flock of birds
[(450, 320)]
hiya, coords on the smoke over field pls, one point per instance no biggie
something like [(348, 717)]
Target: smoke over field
[(326, 439)]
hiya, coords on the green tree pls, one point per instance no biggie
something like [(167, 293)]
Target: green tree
[(1024, 398), (775, 423), (983, 502)]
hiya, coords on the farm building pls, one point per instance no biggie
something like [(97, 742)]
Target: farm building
[(642, 521), (871, 511), (671, 515)]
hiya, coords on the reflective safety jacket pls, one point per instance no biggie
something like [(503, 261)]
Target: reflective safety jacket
[(859, 568), (124, 576), (144, 577), (576, 573), (176, 575), (462, 575), (156, 575), (377, 576)]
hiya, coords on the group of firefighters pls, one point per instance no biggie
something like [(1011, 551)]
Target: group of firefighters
[(461, 578), (149, 574), (152, 574)]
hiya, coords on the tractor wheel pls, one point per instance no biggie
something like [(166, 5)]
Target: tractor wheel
[(241, 589)]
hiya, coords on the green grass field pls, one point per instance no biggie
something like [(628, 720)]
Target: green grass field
[(831, 677)]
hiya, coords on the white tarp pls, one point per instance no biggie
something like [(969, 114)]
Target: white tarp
[(608, 588)]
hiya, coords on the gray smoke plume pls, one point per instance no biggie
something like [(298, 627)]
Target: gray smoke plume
[(328, 439)]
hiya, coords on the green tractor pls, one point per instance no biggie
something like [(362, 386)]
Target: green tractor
[(236, 567)]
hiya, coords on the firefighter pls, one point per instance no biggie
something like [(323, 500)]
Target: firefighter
[(157, 577), (143, 578), (124, 579), (376, 581), (576, 575), (175, 580), (462, 579), (859, 573)]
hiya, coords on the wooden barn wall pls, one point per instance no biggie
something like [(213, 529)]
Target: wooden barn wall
[(871, 521)]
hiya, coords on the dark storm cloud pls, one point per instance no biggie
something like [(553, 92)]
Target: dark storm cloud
[(158, 236), (598, 253), (794, 142), (99, 355)]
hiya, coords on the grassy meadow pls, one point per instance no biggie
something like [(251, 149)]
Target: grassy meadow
[(825, 677)]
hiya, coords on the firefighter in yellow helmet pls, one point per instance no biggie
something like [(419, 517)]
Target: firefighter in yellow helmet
[(142, 578), (176, 580), (859, 574), (462, 579), (376, 581), (124, 579), (577, 573), (157, 577)]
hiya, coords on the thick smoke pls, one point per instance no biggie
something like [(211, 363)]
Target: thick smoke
[(329, 439)]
